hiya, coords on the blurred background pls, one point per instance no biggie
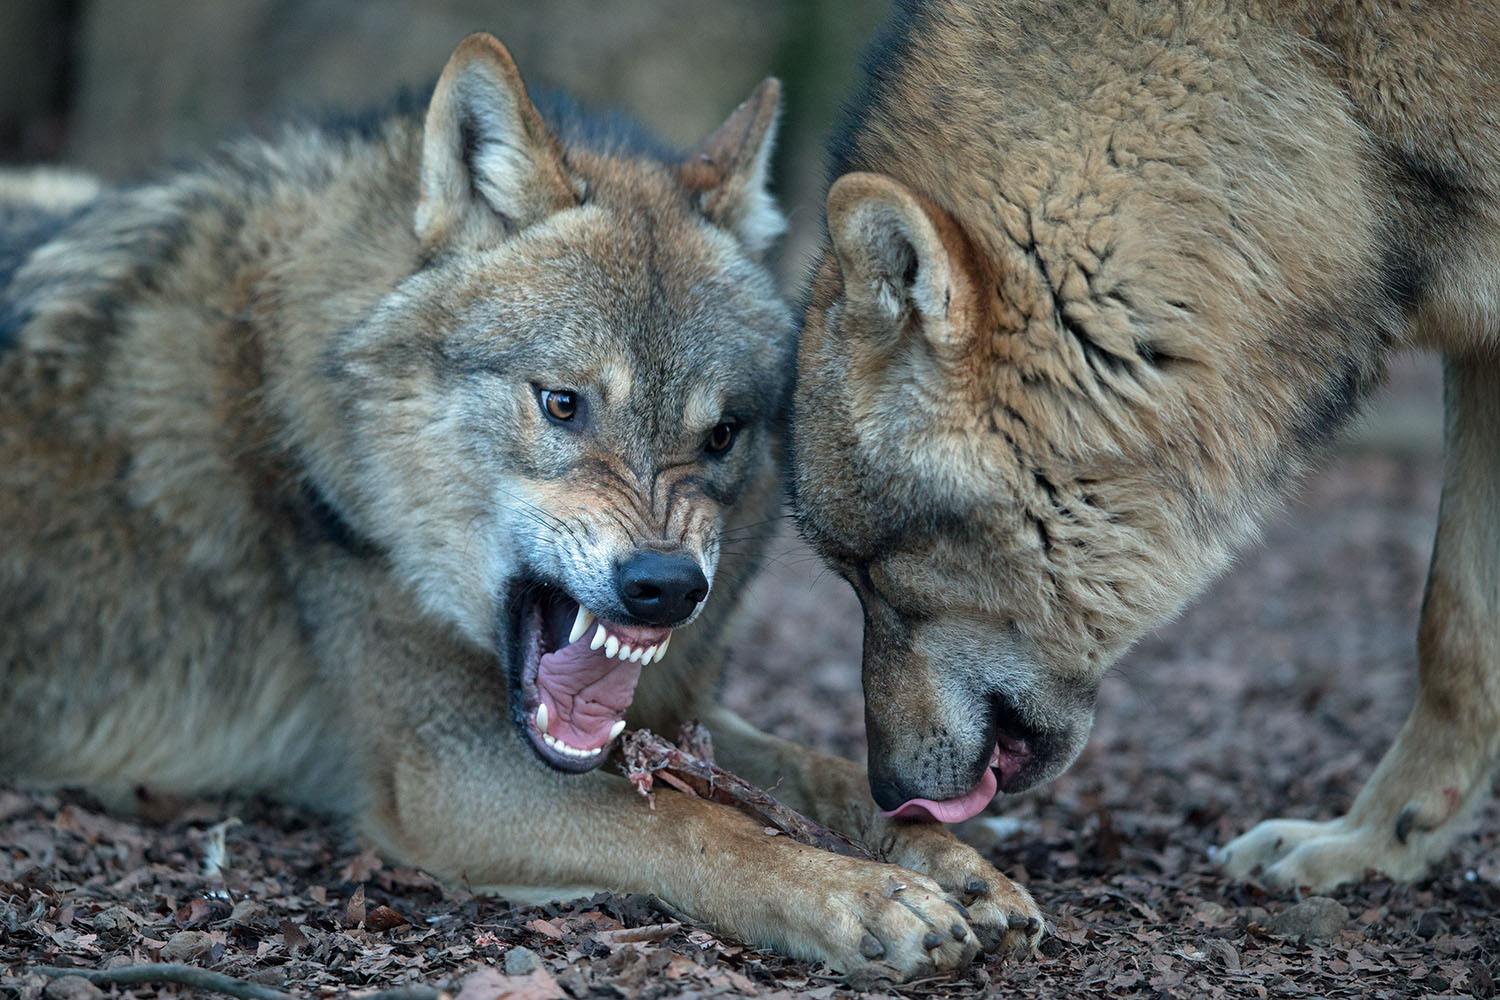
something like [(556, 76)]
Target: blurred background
[(119, 88)]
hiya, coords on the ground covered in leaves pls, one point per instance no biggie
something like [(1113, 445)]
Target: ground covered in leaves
[(1275, 695)]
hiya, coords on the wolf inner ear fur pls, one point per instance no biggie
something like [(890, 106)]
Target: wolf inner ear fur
[(730, 170), (489, 163), (895, 264)]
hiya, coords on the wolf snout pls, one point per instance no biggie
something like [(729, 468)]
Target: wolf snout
[(660, 588)]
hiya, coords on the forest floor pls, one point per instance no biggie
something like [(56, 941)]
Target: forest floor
[(1275, 694)]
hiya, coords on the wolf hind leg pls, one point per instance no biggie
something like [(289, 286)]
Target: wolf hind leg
[(1440, 764)]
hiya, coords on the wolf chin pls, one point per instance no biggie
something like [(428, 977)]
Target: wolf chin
[(394, 468), (1102, 280)]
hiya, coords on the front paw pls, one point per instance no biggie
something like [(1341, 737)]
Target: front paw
[(1002, 914), (1294, 853), (886, 922)]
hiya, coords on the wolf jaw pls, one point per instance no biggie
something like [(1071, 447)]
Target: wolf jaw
[(574, 675)]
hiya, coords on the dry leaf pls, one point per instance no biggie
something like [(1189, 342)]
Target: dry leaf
[(354, 910)]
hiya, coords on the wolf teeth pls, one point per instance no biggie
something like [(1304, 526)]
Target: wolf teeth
[(617, 729), (613, 646), (541, 718), (563, 748), (581, 623)]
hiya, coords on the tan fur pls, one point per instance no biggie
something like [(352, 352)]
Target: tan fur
[(277, 489), (1103, 279)]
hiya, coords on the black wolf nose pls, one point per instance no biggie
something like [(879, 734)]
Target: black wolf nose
[(888, 793), (660, 589)]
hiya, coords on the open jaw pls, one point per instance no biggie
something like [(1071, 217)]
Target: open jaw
[(575, 676)]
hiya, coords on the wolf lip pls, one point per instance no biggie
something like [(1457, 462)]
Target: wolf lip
[(578, 676)]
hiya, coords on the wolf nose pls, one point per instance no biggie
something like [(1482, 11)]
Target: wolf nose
[(660, 589)]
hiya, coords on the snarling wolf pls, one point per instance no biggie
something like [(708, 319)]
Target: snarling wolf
[(394, 467), (1102, 280)]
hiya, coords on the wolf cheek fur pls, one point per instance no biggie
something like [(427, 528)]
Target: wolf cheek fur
[(371, 469), (1099, 286)]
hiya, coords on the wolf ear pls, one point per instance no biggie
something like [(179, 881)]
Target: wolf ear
[(895, 263), (489, 164), (730, 168)]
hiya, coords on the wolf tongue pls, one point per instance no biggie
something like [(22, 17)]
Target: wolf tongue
[(950, 810), (585, 693), (954, 810)]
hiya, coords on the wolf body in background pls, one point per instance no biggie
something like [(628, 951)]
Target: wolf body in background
[(1103, 279), (374, 468)]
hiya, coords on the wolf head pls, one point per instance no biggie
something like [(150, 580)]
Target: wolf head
[(551, 422), (1058, 357)]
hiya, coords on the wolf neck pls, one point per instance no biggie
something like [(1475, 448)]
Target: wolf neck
[(354, 246)]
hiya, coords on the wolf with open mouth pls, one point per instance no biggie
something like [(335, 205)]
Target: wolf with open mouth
[(394, 469)]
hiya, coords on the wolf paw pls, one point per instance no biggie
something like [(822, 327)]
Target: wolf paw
[(894, 924), (1287, 853), (1002, 914)]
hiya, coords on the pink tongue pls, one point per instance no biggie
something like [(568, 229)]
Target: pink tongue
[(952, 810), (585, 692)]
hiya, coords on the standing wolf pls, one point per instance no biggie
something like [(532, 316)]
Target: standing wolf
[(1103, 279), (391, 469)]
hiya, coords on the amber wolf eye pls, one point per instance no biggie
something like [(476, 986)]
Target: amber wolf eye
[(560, 405), (720, 439)]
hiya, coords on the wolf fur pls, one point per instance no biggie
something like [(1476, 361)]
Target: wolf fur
[(1102, 280), (302, 451)]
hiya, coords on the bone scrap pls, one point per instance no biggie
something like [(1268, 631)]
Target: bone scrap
[(688, 766)]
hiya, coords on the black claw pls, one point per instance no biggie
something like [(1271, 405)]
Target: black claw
[(958, 932), (931, 941), (976, 886), (1405, 821), (870, 946), (1033, 925), (963, 910)]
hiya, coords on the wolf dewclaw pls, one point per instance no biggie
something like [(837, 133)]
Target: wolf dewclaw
[(376, 468)]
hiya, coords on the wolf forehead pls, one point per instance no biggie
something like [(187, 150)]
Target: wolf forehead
[(611, 301)]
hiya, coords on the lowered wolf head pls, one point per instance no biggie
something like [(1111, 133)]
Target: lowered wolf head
[(1059, 356), (551, 422)]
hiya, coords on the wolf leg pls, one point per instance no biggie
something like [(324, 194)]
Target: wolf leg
[(468, 801), (1440, 764), (836, 793)]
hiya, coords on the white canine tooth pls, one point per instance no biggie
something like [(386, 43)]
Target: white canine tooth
[(581, 622), (541, 718), (598, 638), (611, 647), (650, 655), (661, 650), (637, 653), (617, 729)]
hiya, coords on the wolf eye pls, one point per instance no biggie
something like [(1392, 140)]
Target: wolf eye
[(559, 404), (720, 439)]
